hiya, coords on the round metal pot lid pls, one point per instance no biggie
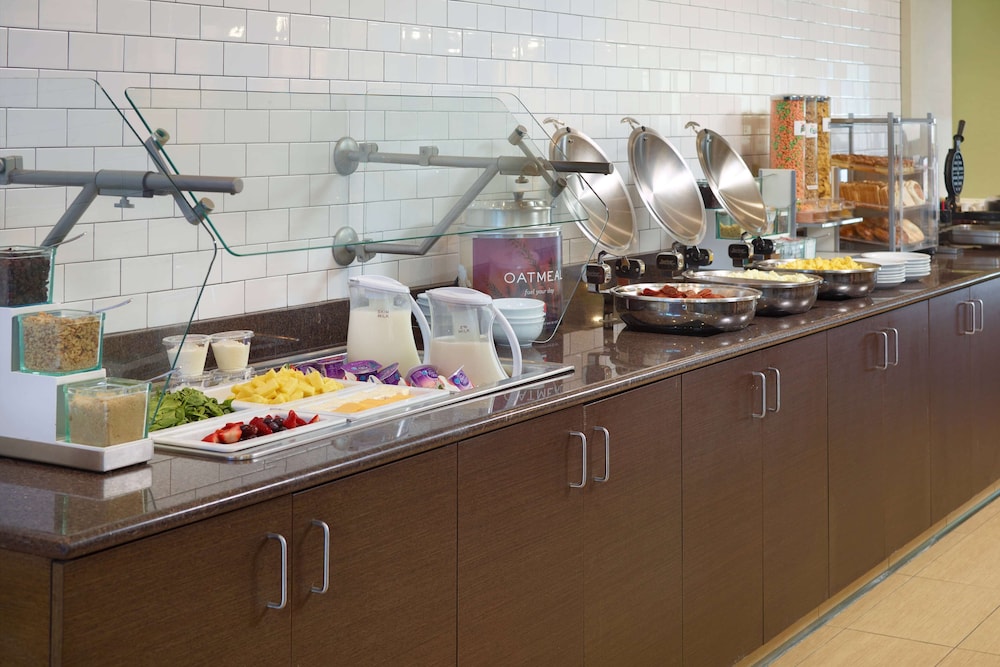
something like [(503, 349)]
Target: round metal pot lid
[(732, 182), (667, 186), (610, 220)]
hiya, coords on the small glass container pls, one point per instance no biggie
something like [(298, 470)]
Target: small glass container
[(189, 359), (106, 412), (57, 342), (26, 275), (231, 350)]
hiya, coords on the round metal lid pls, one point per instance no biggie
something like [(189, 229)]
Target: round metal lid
[(732, 182), (667, 186), (610, 221)]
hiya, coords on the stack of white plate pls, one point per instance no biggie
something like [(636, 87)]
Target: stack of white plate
[(917, 264), (891, 272)]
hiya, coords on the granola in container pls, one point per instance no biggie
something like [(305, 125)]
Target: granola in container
[(60, 341)]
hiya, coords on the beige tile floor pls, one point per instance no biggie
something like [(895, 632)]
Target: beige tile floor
[(941, 608)]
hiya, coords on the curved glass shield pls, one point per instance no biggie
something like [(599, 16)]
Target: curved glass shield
[(454, 188)]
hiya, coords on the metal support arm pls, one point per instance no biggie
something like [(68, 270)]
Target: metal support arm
[(348, 154), (115, 183)]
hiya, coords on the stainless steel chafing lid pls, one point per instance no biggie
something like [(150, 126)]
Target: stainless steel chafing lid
[(731, 181), (610, 219), (665, 183)]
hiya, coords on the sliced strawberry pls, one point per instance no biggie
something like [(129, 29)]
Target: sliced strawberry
[(293, 420), (211, 437), (262, 427), (313, 420), (231, 433)]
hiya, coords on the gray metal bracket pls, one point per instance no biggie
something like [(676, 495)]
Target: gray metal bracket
[(348, 154), (121, 184)]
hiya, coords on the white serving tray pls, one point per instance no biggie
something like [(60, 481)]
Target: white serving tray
[(328, 404), (82, 457), (190, 435)]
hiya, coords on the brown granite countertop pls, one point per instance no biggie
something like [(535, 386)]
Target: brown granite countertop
[(63, 513)]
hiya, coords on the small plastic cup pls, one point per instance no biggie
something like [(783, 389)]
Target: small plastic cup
[(231, 349), (188, 360)]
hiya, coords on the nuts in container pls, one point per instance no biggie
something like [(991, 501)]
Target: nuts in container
[(60, 341), (106, 412)]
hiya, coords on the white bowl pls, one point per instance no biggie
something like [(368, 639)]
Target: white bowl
[(526, 332), (525, 319), (519, 306)]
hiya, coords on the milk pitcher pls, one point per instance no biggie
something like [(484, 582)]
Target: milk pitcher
[(379, 324), (462, 335)]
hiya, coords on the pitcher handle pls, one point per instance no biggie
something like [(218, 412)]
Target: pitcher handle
[(515, 346), (425, 328)]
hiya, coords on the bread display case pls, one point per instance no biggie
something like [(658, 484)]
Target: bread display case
[(887, 167)]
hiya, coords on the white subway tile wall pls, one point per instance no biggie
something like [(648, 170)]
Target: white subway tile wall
[(586, 62)]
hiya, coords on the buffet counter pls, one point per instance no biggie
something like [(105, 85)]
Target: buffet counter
[(467, 528), (62, 513)]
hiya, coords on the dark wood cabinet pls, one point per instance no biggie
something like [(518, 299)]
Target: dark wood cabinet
[(879, 452), (722, 495), (794, 483), (520, 544), (906, 427), (755, 498), (966, 369), (632, 528), (197, 594), (985, 380), (387, 595), (266, 584), (551, 572)]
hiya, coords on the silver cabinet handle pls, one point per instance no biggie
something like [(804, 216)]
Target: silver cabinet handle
[(982, 315), (777, 389), (607, 454), (885, 351), (970, 315), (326, 557), (583, 446), (284, 571), (895, 345), (763, 396)]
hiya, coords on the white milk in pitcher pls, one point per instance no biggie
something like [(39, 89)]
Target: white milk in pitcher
[(382, 335), (476, 357)]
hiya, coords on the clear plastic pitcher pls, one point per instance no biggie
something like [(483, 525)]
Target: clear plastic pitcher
[(379, 324), (462, 335)]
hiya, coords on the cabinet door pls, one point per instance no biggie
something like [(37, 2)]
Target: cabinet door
[(721, 463), (951, 394), (632, 528), (986, 383), (390, 594), (906, 416), (521, 543), (795, 508), (196, 594), (855, 353)]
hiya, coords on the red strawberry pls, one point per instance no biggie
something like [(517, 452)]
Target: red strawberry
[(211, 437), (230, 433), (262, 427), (293, 420), (313, 420)]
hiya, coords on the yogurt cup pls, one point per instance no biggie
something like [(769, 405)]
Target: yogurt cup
[(188, 360), (231, 349)]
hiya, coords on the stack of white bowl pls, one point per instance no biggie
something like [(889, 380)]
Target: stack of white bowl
[(526, 317)]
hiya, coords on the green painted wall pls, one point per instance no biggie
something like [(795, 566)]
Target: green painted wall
[(976, 93)]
